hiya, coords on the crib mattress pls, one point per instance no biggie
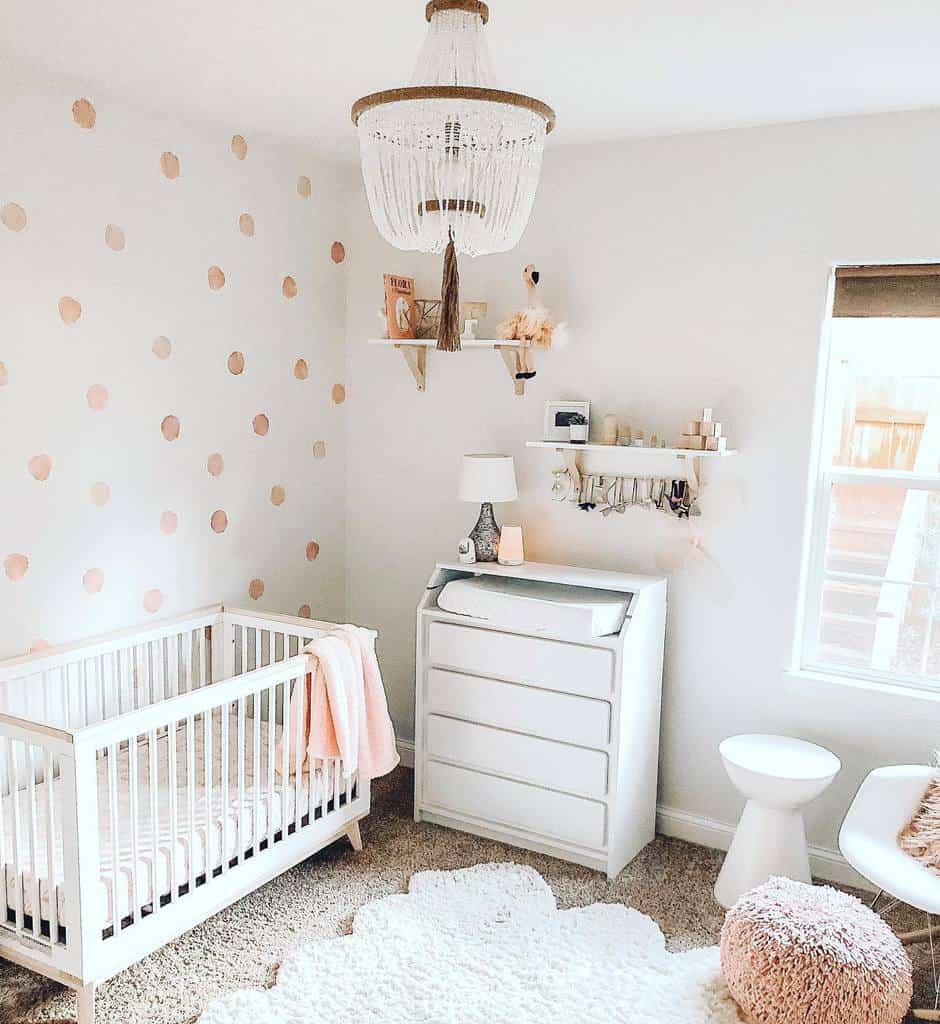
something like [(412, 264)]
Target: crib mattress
[(530, 606), (211, 840)]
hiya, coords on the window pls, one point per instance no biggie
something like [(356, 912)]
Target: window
[(871, 605)]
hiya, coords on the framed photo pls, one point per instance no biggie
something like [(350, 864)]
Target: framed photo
[(557, 416)]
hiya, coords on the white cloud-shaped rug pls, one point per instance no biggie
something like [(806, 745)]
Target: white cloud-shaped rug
[(487, 945)]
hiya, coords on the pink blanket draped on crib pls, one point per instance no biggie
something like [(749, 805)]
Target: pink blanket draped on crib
[(346, 709)]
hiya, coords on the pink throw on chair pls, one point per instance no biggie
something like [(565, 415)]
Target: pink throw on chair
[(343, 705)]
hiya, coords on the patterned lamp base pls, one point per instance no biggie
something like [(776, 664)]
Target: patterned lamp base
[(485, 535)]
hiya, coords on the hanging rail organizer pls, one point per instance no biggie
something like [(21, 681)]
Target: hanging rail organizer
[(415, 353), (610, 464)]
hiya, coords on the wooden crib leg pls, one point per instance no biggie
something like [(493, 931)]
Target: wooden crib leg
[(86, 1005), (355, 837)]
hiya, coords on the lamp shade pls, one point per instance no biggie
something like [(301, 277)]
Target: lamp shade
[(488, 478)]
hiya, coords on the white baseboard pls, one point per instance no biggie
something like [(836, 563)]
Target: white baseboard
[(406, 751), (827, 864)]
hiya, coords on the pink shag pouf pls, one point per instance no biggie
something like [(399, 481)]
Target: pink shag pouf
[(793, 953)]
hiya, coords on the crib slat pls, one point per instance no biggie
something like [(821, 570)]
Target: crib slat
[(15, 824), (257, 663), (154, 793), (226, 807), (33, 838), (174, 809), (285, 755), (207, 785), (46, 703), (188, 660), (191, 797), (243, 648), (240, 771), (256, 772), (4, 746), (134, 816), (272, 730), (203, 651), (52, 884), (112, 757), (299, 752), (100, 687)]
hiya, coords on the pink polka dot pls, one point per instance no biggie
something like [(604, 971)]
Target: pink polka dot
[(219, 521), (338, 394), (338, 252), (216, 278), (70, 310), (114, 237), (278, 495), (319, 449), (39, 644), (97, 397), (304, 612), (261, 424), (215, 464), (170, 428), (301, 369), (236, 363), (15, 566), (40, 466), (289, 288), (100, 493), (313, 551), (255, 589), (169, 522), (93, 581), (153, 601), (161, 348)]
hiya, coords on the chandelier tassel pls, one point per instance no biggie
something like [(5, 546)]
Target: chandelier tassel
[(448, 331)]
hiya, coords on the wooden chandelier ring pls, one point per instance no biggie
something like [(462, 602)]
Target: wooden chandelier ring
[(454, 92), (473, 6)]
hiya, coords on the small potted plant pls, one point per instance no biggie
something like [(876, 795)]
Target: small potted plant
[(577, 428)]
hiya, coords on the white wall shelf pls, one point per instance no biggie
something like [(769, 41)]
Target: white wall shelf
[(415, 354), (627, 452)]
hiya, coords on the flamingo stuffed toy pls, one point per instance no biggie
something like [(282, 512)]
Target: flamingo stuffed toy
[(530, 326)]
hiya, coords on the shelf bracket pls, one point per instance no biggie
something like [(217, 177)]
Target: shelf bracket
[(508, 352), (416, 356)]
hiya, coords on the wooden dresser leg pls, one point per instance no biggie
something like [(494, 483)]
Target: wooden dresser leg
[(355, 836), (86, 1005)]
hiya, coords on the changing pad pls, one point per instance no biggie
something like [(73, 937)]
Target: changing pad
[(573, 613)]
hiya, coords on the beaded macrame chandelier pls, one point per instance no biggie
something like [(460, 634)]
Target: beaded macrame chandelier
[(451, 163)]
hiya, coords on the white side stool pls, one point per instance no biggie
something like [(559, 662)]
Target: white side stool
[(779, 776)]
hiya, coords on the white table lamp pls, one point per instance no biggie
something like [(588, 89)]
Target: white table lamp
[(487, 479)]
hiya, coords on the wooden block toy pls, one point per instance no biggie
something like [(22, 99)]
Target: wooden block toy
[(692, 428), (693, 442), (706, 415), (711, 429), (716, 444)]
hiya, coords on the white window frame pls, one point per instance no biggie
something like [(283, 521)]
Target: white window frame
[(822, 479)]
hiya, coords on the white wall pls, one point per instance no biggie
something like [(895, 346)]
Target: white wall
[(72, 182), (694, 272)]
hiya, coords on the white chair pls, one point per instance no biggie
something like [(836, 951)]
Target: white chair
[(779, 775), (884, 804)]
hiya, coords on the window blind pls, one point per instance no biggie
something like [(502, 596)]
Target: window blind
[(908, 290)]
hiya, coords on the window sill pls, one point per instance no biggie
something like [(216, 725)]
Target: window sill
[(858, 694)]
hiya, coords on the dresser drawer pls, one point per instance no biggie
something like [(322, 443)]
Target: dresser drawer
[(554, 716), (542, 762), (550, 664), (516, 804)]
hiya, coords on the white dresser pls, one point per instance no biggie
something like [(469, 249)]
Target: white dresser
[(530, 737)]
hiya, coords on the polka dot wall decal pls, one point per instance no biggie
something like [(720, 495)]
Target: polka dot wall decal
[(236, 363), (219, 521), (301, 370), (114, 237), (162, 348), (39, 644), (255, 589), (216, 278), (239, 147), (338, 252), (4, 375), (100, 494), (40, 466), (153, 601), (319, 449), (215, 464), (84, 114), (69, 309), (289, 288), (93, 581), (313, 551), (97, 397), (278, 495), (261, 424), (169, 522), (303, 187), (339, 394), (170, 165), (15, 566), (304, 612), (170, 428), (246, 225), (13, 216)]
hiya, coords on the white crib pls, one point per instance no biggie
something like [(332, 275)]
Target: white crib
[(142, 788)]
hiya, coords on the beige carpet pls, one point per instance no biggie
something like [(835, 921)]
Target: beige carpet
[(671, 881)]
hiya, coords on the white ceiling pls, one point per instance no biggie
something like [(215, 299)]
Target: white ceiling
[(611, 69)]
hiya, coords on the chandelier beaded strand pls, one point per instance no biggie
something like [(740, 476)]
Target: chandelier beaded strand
[(451, 163)]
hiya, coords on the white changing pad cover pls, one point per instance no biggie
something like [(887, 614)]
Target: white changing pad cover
[(531, 606)]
